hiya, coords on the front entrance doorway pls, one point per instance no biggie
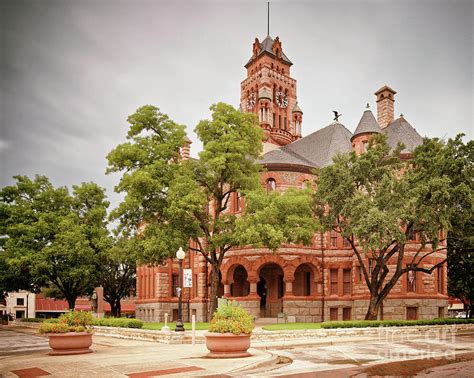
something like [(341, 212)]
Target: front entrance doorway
[(270, 288)]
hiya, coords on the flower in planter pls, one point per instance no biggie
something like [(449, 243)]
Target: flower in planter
[(73, 321), (231, 318)]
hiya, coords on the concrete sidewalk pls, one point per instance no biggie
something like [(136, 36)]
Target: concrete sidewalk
[(114, 357)]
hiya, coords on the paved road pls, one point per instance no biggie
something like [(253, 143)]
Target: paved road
[(356, 357), (115, 357), (436, 355), (15, 343)]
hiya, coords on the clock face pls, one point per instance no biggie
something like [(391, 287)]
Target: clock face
[(281, 99), (251, 100)]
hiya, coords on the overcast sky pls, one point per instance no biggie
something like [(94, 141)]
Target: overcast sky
[(72, 71)]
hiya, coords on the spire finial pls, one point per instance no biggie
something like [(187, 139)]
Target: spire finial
[(368, 106), (268, 18)]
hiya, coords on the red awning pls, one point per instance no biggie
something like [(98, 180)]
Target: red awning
[(82, 304), (50, 304)]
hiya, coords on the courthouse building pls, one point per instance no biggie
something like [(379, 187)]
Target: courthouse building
[(313, 283)]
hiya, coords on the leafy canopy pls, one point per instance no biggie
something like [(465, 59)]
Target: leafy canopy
[(52, 236)]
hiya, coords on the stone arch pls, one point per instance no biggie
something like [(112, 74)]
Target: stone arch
[(270, 184), (240, 285), (299, 279), (271, 286), (310, 261), (270, 259), (304, 282), (230, 264)]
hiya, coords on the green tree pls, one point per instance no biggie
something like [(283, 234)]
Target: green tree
[(459, 167), (51, 236), (184, 203), (376, 201), (276, 218), (118, 271), (461, 267)]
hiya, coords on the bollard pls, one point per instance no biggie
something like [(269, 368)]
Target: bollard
[(193, 327), (165, 327)]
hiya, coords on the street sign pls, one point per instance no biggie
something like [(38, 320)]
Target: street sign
[(187, 278)]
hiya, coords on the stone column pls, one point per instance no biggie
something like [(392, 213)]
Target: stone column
[(147, 283), (253, 287), (288, 288), (227, 290)]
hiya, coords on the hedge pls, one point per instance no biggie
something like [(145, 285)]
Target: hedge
[(53, 320), (32, 320), (118, 322), (393, 323)]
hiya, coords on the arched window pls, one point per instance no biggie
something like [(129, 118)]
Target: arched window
[(305, 184), (365, 146), (271, 185)]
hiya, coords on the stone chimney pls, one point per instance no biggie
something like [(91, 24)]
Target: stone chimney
[(185, 150), (385, 107)]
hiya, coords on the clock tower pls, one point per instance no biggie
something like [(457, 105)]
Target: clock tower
[(270, 92)]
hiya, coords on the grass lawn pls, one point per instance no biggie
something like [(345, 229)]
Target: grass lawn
[(187, 326), (278, 327)]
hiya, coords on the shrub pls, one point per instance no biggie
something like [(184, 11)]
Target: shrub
[(73, 321), (32, 320), (231, 318), (118, 322), (54, 328), (53, 320), (61, 328), (393, 323), (76, 318)]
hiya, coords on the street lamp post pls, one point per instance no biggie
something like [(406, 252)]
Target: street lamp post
[(179, 324)]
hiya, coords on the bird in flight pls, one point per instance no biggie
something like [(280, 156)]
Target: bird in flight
[(336, 115)]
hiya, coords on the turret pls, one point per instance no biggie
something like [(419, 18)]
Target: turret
[(367, 127)]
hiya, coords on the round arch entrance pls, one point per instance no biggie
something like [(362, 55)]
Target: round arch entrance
[(270, 289)]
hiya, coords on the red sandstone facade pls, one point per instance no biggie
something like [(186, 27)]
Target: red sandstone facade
[(314, 283)]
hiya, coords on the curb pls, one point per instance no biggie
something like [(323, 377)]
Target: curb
[(271, 360)]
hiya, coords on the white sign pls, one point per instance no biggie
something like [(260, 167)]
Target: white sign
[(187, 278)]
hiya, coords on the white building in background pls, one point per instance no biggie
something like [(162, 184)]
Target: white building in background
[(18, 303)]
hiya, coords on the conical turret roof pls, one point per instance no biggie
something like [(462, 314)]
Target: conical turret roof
[(296, 108), (367, 124)]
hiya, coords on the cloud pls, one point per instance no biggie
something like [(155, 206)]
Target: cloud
[(73, 71)]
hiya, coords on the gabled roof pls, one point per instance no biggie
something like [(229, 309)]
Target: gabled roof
[(400, 130), (315, 150), (266, 47), (367, 124)]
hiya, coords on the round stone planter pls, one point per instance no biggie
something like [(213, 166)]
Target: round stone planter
[(70, 343), (227, 345)]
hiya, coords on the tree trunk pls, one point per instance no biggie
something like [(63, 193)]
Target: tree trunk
[(214, 290), (71, 301), (118, 309), (374, 308)]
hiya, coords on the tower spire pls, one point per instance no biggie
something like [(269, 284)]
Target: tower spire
[(268, 18)]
